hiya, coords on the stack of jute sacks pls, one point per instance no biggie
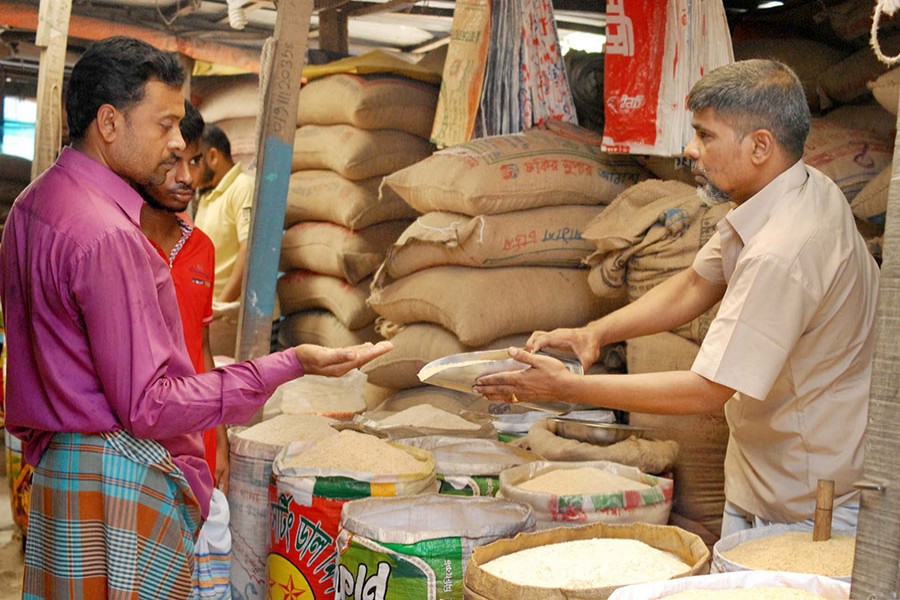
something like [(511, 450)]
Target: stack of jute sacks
[(497, 251), (232, 103), (353, 130)]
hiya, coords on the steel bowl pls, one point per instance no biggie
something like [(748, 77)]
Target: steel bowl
[(602, 434)]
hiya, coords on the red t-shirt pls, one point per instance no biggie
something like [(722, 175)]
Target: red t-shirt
[(193, 268)]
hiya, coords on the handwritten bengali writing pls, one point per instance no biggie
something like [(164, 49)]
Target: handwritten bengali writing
[(283, 121), (618, 178)]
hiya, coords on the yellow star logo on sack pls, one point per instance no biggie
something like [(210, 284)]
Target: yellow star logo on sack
[(285, 581)]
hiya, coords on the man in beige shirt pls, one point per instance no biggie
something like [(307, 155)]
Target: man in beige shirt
[(789, 353)]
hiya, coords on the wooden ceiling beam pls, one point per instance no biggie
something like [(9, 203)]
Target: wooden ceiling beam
[(25, 16)]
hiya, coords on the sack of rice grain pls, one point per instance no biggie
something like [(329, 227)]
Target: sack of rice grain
[(575, 493), (868, 117), (870, 204), (575, 563), (845, 81), (470, 467), (515, 172), (548, 236), (311, 486), (319, 195), (323, 328), (739, 585), (786, 547), (702, 439), (304, 290), (229, 98), (334, 397), (482, 305), (886, 89), (449, 400), (332, 249), (425, 419), (251, 452), (416, 345), (370, 102), (356, 153), (850, 157), (417, 547)]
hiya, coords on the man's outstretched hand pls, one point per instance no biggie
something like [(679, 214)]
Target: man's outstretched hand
[(334, 362)]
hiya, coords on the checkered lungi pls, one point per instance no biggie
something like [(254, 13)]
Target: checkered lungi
[(111, 517)]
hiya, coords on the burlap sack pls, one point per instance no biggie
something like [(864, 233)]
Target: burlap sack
[(699, 468), (332, 249), (886, 89), (870, 116), (846, 80), (370, 102), (850, 157), (229, 98), (323, 328), (808, 59), (482, 305), (648, 234), (241, 134), (304, 290), (549, 236), (851, 21), (669, 168), (479, 584), (416, 345), (514, 172), (318, 195), (356, 153), (870, 204)]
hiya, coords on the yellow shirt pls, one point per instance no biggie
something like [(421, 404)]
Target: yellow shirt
[(795, 337), (223, 214)]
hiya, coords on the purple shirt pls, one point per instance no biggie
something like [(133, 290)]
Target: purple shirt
[(93, 327)]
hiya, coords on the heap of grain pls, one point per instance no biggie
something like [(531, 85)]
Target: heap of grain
[(353, 130), (418, 546), (500, 234), (311, 487), (470, 467), (251, 452), (786, 548), (588, 492), (582, 562)]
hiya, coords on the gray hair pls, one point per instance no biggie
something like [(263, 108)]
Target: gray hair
[(757, 94)]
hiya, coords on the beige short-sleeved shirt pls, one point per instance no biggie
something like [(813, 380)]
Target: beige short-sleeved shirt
[(794, 336), (224, 215)]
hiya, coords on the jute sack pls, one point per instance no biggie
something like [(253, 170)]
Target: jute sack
[(416, 345), (549, 236), (231, 98), (513, 172), (807, 58), (481, 585), (871, 117), (241, 134), (850, 157), (886, 89), (356, 153), (699, 467), (304, 290), (417, 547), (482, 305), (318, 195), (846, 80), (323, 328), (870, 204), (370, 102), (332, 249), (669, 168), (851, 20)]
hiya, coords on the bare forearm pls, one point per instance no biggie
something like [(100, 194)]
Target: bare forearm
[(232, 289)]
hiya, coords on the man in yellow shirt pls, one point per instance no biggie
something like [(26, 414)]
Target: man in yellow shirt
[(223, 212)]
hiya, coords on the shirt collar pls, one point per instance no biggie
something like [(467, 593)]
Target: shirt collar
[(749, 217), (112, 185), (226, 181)]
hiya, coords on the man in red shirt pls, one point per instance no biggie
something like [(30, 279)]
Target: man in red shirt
[(190, 255)]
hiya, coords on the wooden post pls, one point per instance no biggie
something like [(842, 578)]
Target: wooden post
[(333, 30), (52, 38), (824, 509), (875, 572), (284, 58)]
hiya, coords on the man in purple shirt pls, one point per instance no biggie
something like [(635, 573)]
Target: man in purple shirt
[(100, 386)]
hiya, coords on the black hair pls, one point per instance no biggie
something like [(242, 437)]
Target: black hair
[(214, 137), (191, 124), (114, 71)]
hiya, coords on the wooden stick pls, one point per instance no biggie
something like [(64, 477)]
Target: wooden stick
[(824, 507)]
